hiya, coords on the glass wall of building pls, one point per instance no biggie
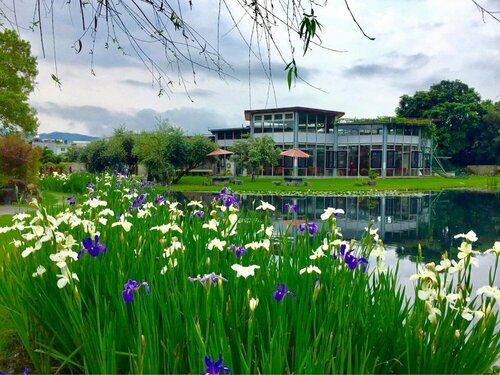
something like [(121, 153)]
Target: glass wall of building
[(348, 149)]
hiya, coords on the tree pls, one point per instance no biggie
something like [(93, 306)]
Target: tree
[(73, 154), (486, 147), (456, 111), (94, 156), (119, 150), (169, 155), (253, 154), (17, 79), (48, 156), (198, 147)]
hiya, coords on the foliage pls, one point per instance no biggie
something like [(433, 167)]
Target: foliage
[(486, 145), (48, 156), (372, 174), (109, 308), (198, 147), (73, 154), (161, 151), (119, 153), (147, 26), (386, 120), (17, 80), (456, 110), (94, 156), (253, 154), (168, 154), (74, 183), (18, 159)]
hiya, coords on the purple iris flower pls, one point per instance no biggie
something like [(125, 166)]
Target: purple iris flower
[(352, 261), (290, 208), (71, 200), (238, 250), (138, 202), (200, 214), (212, 277), (214, 368), (160, 199), (130, 287), (91, 186), (94, 249), (342, 249), (317, 283), (311, 228), (281, 292), (226, 197), (26, 371)]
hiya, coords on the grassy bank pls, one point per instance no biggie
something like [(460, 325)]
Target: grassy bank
[(330, 185)]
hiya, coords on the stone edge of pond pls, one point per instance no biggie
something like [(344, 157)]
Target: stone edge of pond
[(350, 193)]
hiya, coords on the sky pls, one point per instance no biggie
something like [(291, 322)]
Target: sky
[(417, 43)]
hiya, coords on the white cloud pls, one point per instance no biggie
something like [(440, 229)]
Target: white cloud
[(417, 43)]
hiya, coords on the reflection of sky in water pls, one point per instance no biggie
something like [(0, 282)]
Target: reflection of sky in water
[(407, 267)]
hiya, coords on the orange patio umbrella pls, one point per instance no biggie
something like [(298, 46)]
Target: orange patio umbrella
[(295, 153), (220, 152)]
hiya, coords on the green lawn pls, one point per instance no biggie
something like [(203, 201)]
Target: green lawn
[(327, 185)]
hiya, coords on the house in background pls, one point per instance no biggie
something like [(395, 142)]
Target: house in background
[(57, 146), (337, 147)]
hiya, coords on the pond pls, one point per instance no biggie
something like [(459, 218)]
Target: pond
[(404, 222)]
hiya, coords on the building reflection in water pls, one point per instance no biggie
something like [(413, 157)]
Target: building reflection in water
[(404, 221), (396, 217)]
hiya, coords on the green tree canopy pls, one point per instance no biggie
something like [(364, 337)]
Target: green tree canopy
[(253, 154), (486, 147), (456, 111), (168, 154), (17, 79)]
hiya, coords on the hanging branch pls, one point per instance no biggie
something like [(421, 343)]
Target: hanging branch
[(484, 11)]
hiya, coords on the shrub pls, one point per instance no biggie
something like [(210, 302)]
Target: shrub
[(18, 159)]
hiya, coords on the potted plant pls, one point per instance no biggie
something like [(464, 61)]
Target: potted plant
[(372, 175)]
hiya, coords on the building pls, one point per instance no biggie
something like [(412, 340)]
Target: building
[(337, 147), (58, 146)]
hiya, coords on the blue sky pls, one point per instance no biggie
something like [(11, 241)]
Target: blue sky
[(418, 43)]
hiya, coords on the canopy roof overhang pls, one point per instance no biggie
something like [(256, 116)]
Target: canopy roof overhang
[(250, 112)]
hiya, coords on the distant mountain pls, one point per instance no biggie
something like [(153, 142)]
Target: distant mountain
[(67, 136)]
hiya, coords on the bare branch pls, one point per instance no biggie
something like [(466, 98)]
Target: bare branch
[(356, 22), (484, 11)]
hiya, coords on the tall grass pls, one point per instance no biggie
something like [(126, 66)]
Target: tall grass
[(339, 321)]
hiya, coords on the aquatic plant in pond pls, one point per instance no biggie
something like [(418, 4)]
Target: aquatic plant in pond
[(169, 287)]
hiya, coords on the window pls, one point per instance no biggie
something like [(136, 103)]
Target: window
[(376, 159), (341, 159), (365, 130), (416, 159), (288, 116), (257, 117), (393, 159)]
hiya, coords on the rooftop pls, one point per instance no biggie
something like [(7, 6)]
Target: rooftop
[(250, 112)]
